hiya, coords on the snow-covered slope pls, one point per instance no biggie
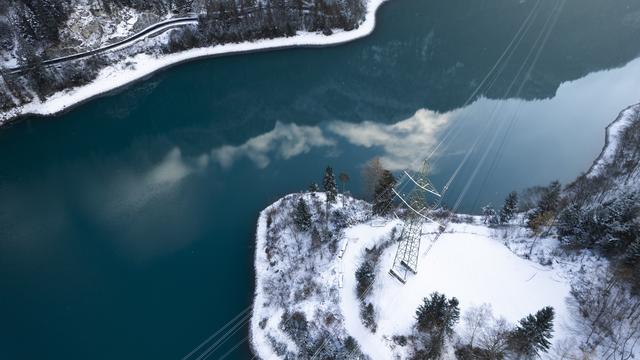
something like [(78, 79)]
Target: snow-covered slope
[(617, 169), (613, 139)]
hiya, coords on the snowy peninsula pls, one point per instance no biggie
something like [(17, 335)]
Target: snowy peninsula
[(323, 288)]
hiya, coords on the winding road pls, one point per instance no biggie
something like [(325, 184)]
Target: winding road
[(149, 31)]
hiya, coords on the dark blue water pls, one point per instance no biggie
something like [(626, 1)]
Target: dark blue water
[(127, 224)]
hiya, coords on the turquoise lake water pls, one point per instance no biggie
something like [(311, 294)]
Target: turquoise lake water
[(127, 223)]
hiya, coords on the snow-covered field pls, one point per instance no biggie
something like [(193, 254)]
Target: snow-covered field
[(142, 65), (467, 262), (476, 264)]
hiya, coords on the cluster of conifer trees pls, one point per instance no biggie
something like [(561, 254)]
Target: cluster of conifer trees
[(437, 316), (238, 20)]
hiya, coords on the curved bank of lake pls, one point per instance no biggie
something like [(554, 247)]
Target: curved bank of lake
[(142, 66)]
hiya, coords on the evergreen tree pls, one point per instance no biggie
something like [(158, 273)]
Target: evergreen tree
[(438, 313), (302, 217), (329, 184), (314, 187), (570, 223), (489, 215), (612, 226), (182, 6), (622, 221), (364, 278), (631, 263), (296, 325), (509, 208), (550, 198), (533, 333), (632, 257), (316, 239), (383, 196), (546, 208), (351, 345), (368, 316), (436, 318)]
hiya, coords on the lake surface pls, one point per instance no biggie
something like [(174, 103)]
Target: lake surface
[(127, 224)]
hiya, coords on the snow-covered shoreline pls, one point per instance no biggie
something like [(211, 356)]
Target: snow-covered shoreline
[(142, 65), (274, 253), (612, 133), (258, 343)]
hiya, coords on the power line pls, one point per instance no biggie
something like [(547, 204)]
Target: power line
[(515, 117), (402, 182), (211, 337), (508, 51)]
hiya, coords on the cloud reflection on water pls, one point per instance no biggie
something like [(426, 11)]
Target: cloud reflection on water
[(543, 127), (285, 141), (401, 143), (594, 97)]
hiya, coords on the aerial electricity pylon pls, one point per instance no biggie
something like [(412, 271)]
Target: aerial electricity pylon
[(418, 210)]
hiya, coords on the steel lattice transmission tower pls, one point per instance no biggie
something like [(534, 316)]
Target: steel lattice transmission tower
[(418, 211)]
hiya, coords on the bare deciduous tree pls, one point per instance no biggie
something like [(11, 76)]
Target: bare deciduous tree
[(609, 317), (475, 322)]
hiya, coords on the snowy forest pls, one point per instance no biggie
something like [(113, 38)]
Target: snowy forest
[(33, 31)]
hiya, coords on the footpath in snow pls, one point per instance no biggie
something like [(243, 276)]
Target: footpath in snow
[(142, 65)]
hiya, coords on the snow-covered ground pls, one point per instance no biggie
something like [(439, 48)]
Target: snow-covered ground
[(477, 264), (293, 275), (142, 65), (613, 132), (467, 262), (86, 29)]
